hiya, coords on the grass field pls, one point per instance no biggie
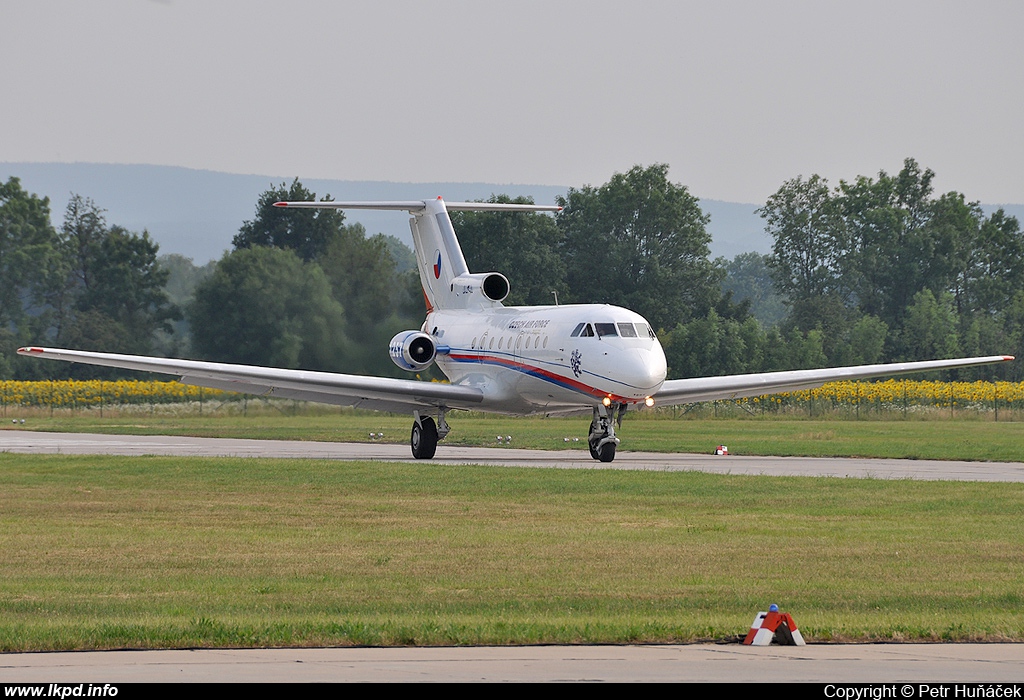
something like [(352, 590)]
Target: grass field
[(915, 438), (110, 552)]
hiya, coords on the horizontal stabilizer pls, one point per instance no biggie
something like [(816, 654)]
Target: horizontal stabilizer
[(415, 205)]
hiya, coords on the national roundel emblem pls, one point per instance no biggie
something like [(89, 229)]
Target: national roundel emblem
[(437, 266)]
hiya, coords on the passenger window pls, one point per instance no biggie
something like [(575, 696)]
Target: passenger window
[(500, 341), (519, 342), (545, 341), (473, 346), (626, 330), (492, 343), (604, 329)]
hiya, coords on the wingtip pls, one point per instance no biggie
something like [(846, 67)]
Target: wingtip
[(1007, 358), (29, 350), (280, 204)]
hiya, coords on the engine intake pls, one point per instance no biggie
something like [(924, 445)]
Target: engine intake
[(412, 350)]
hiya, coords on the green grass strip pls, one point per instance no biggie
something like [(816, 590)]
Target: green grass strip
[(156, 552)]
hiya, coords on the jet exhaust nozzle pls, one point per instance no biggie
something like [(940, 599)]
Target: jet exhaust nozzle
[(493, 285)]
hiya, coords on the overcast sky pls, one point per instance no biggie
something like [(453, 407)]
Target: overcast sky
[(736, 97)]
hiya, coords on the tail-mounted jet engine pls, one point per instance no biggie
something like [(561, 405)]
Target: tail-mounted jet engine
[(412, 350), (493, 285)]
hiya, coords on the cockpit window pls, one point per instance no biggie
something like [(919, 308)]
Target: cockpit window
[(626, 330), (644, 330), (577, 329), (587, 332), (604, 329)]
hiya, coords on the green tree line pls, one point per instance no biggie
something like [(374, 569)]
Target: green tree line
[(85, 285), (877, 269)]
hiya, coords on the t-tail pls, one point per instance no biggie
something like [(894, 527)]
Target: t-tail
[(445, 277)]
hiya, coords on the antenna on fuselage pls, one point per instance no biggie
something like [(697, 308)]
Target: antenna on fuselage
[(555, 292)]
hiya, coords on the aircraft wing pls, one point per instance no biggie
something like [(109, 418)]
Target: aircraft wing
[(677, 391), (378, 393)]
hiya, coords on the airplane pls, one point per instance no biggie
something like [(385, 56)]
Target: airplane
[(557, 359)]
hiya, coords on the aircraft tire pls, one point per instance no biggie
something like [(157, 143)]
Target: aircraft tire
[(424, 438), (593, 451), (606, 453)]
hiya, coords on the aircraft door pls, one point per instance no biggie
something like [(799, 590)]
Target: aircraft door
[(517, 346)]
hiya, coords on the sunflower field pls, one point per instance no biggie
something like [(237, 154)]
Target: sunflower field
[(893, 396), (76, 394), (857, 399)]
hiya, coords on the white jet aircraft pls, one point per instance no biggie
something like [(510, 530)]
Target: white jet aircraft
[(514, 360)]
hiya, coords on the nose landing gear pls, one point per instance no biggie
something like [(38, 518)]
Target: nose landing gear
[(602, 440)]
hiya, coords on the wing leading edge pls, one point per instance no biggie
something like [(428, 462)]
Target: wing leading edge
[(379, 393), (677, 391)]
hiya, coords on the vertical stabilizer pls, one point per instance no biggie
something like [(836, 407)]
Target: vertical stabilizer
[(438, 254), (444, 275)]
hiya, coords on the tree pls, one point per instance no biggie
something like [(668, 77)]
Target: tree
[(308, 232), (807, 256), (114, 297), (361, 272), (901, 240), (639, 241), (376, 297), (265, 306), (713, 345), (522, 246), (748, 278), (993, 269), (930, 330), (29, 257)]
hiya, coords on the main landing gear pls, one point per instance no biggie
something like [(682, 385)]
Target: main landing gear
[(602, 440), (426, 433)]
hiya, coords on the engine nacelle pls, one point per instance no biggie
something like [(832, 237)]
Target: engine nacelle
[(492, 285), (412, 350)]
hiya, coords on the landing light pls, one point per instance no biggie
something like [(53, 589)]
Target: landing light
[(649, 401), (607, 401)]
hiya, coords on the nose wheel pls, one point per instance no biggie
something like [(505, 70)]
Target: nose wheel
[(602, 440)]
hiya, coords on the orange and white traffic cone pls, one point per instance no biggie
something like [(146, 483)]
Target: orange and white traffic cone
[(774, 626)]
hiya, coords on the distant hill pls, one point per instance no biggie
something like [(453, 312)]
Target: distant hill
[(196, 213)]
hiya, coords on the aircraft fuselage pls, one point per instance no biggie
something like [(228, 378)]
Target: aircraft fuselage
[(540, 359)]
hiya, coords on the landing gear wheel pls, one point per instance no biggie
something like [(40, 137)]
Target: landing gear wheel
[(593, 452), (423, 438), (606, 452)]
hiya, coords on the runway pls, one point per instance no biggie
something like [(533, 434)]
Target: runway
[(82, 443), (698, 662), (861, 663)]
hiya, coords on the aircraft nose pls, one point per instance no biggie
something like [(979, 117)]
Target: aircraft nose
[(648, 369)]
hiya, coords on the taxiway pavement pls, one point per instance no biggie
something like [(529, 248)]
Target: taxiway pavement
[(82, 443)]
